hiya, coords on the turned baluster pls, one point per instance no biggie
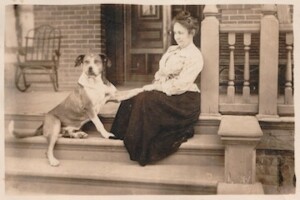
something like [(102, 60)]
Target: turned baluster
[(288, 93), (231, 72), (246, 87)]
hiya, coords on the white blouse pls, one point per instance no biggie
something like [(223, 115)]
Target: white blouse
[(178, 70)]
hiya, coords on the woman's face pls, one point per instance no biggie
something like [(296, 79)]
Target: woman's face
[(182, 36)]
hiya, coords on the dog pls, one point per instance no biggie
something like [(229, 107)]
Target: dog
[(83, 104)]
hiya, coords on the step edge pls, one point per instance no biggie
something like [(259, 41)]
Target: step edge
[(65, 143), (137, 179)]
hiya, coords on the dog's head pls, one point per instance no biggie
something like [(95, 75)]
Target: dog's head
[(93, 64)]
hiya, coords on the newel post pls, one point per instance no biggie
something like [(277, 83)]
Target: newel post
[(268, 63), (210, 72), (240, 135)]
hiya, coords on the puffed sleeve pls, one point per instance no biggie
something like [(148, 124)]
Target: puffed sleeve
[(183, 81)]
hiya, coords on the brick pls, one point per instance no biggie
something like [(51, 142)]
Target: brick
[(252, 6), (69, 22), (225, 17), (239, 6), (255, 17), (81, 22), (88, 17), (245, 22), (222, 6), (81, 41), (246, 11), (55, 13), (94, 41), (75, 46), (82, 12), (63, 7), (71, 12), (88, 36), (229, 12), (237, 17), (94, 22), (229, 22), (87, 27), (75, 17), (75, 27)]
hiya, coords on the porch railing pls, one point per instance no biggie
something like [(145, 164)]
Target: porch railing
[(272, 63)]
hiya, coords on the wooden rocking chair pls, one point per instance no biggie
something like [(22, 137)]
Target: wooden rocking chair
[(39, 56)]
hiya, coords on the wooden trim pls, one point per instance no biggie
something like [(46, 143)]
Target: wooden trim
[(149, 15), (240, 28), (146, 51), (286, 27), (238, 108), (284, 110)]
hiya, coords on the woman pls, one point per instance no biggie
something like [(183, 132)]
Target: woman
[(158, 120)]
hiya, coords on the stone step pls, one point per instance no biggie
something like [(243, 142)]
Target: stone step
[(86, 177), (205, 149), (34, 120)]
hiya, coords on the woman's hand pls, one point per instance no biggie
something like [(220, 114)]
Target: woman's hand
[(123, 95)]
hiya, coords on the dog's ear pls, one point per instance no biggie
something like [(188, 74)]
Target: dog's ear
[(105, 59), (79, 60)]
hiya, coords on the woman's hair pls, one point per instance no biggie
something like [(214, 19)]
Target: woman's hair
[(186, 20)]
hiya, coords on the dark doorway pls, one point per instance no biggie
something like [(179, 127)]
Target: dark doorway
[(113, 32)]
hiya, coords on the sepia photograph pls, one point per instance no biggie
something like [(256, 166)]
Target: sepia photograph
[(127, 98)]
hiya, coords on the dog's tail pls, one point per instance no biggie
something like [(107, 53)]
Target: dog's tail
[(23, 133)]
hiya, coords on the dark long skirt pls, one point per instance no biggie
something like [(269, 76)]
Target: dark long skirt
[(154, 125)]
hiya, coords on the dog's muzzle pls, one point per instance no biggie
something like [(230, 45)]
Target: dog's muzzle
[(91, 72)]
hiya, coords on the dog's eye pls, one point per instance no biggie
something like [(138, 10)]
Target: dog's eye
[(97, 61), (86, 62)]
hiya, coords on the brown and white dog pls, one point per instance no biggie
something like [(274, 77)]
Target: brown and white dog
[(83, 104)]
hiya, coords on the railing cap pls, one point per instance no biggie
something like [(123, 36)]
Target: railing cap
[(269, 9), (210, 10)]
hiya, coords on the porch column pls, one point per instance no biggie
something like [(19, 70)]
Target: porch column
[(210, 72), (268, 63), (240, 134)]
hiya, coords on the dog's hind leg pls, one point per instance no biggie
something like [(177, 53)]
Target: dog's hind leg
[(51, 130)]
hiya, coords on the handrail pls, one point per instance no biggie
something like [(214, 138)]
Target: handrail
[(286, 27), (240, 28)]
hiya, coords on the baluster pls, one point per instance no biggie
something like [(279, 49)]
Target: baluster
[(231, 75), (246, 87), (288, 93)]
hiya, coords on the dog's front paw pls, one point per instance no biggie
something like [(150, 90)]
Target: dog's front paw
[(79, 134), (54, 162)]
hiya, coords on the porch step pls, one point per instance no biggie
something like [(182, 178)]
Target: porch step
[(199, 150), (86, 177), (96, 166)]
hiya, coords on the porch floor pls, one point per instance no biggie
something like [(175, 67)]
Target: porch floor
[(40, 102)]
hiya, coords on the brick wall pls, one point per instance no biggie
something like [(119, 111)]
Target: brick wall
[(240, 14), (81, 30)]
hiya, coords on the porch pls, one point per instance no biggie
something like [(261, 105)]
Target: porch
[(198, 167)]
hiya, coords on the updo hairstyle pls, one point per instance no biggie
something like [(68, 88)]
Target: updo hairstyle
[(186, 20)]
